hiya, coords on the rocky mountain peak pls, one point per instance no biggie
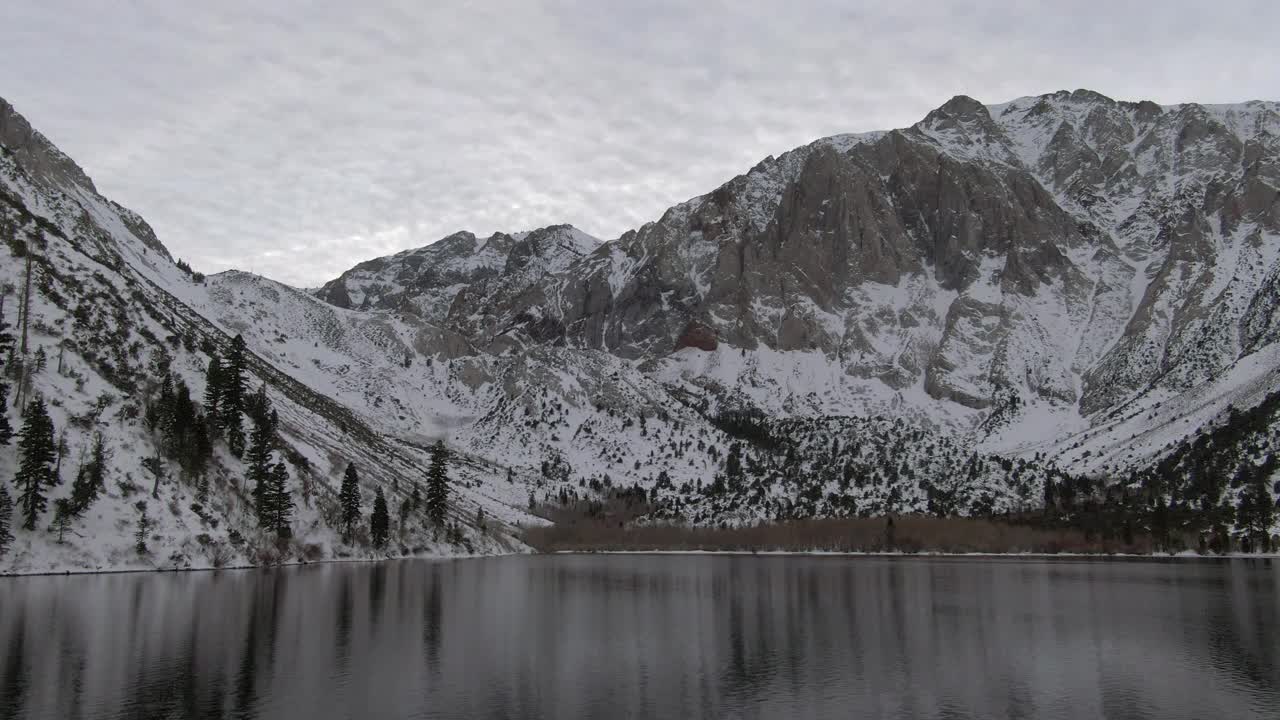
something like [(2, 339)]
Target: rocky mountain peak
[(425, 280), (44, 161), (961, 108)]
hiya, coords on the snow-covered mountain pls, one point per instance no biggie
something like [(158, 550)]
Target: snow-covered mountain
[(109, 312), (1065, 277), (939, 318)]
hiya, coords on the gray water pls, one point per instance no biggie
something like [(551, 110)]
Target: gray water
[(651, 636)]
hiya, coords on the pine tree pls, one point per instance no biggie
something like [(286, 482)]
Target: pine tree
[(201, 446), (1160, 525), (349, 500), (6, 430), (233, 379), (231, 401), (280, 501), (6, 351), (258, 474), (35, 468), (91, 480), (213, 389), (182, 421), (1256, 512), (164, 413), (235, 434), (438, 484), (144, 526), (258, 406), (6, 518), (62, 517), (202, 489), (380, 521)]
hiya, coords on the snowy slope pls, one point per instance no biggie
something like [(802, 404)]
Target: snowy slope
[(108, 308)]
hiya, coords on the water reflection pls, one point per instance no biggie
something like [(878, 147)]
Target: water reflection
[(649, 636)]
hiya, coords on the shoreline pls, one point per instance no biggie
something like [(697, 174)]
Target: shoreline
[(331, 561), (895, 555), (1188, 555)]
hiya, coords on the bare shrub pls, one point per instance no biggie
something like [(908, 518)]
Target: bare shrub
[(218, 554), (910, 534)]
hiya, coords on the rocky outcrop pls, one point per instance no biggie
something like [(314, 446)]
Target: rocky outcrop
[(39, 157), (699, 336)]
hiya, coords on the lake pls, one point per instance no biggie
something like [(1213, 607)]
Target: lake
[(651, 636)]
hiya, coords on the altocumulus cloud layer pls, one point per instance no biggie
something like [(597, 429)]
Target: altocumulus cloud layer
[(297, 138)]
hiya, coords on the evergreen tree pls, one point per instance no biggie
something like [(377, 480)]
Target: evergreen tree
[(213, 389), (91, 480), (35, 468), (202, 490), (235, 434), (144, 526), (201, 446), (437, 500), (162, 415), (6, 430), (231, 401), (258, 473), (182, 419), (6, 354), (233, 378), (62, 517), (349, 500), (6, 518), (1255, 512), (380, 521), (280, 501), (258, 407), (1160, 525)]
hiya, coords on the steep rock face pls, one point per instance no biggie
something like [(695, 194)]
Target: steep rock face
[(461, 274), (43, 162)]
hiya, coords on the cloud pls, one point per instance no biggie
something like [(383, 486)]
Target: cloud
[(298, 138)]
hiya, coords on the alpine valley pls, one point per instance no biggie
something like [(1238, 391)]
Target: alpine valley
[(1063, 301)]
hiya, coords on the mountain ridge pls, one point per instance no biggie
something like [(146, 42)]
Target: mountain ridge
[(1105, 182)]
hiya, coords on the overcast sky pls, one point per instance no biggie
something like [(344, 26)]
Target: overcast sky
[(295, 139)]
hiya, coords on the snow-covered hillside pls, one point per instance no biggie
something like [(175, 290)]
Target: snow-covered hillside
[(107, 315)]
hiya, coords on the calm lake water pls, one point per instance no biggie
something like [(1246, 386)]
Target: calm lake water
[(651, 636)]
